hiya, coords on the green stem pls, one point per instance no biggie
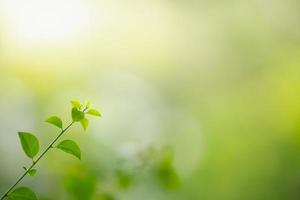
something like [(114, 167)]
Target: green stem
[(37, 160)]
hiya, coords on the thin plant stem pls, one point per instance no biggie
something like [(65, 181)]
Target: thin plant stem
[(37, 160)]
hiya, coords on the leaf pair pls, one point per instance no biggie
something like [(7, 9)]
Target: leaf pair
[(30, 145), (31, 172)]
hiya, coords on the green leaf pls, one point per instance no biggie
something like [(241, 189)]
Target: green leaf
[(77, 115), (30, 144), (22, 193), (32, 172), (88, 104), (94, 112), (56, 121), (70, 147), (85, 123), (76, 103)]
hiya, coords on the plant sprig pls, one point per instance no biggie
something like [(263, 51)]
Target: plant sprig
[(30, 146)]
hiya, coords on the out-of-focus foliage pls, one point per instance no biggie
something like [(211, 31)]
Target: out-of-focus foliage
[(164, 169), (124, 178), (89, 184), (80, 184)]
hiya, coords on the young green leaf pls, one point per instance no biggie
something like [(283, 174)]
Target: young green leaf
[(70, 147), (22, 193), (24, 168), (77, 115), (85, 123), (76, 104), (56, 121), (88, 104), (32, 172), (93, 112), (30, 144)]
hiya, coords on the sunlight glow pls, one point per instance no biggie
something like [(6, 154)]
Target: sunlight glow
[(51, 21)]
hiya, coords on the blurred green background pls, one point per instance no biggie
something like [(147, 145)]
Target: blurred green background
[(200, 99)]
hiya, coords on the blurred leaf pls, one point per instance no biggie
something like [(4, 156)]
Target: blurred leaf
[(94, 112), (70, 147), (30, 144), (22, 193), (85, 123), (104, 196), (166, 156), (32, 172), (168, 177), (164, 169), (124, 179), (56, 121), (76, 104), (77, 115), (80, 183)]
